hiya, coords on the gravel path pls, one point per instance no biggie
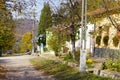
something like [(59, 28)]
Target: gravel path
[(19, 68)]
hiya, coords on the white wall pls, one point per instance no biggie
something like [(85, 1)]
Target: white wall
[(89, 42)]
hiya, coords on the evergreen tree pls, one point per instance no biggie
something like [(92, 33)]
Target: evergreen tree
[(45, 22)]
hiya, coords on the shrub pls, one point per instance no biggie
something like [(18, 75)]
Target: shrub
[(68, 57), (89, 63), (112, 65), (53, 44), (98, 40), (115, 40), (105, 40)]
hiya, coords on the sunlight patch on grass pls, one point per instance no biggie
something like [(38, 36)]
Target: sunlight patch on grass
[(62, 71)]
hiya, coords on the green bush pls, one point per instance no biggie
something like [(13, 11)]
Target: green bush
[(112, 65), (98, 40), (105, 40), (115, 40), (56, 42), (53, 44), (68, 57)]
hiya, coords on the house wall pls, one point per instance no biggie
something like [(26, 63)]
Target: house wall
[(112, 31), (89, 40)]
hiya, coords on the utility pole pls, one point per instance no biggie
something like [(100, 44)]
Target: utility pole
[(33, 34), (83, 37)]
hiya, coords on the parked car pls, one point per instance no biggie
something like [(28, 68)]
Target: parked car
[(8, 52)]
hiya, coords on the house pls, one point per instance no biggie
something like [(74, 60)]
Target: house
[(107, 32)]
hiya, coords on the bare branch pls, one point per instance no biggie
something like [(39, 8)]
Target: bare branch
[(107, 13)]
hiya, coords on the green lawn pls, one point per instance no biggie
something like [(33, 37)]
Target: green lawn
[(62, 71)]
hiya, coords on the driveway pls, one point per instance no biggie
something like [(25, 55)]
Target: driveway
[(19, 68)]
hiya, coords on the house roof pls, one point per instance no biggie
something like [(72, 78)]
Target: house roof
[(101, 13), (103, 10)]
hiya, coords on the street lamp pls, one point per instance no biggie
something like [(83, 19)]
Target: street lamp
[(40, 38)]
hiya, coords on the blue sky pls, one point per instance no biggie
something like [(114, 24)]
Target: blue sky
[(40, 4), (36, 8)]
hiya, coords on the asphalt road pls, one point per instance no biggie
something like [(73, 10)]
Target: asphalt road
[(19, 68)]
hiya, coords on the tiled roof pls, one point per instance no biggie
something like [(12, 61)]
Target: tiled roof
[(102, 11)]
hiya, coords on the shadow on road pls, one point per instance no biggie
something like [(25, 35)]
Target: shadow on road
[(19, 68)]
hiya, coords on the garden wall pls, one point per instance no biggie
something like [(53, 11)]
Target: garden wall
[(106, 53)]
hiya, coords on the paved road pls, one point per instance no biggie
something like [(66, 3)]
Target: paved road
[(19, 68)]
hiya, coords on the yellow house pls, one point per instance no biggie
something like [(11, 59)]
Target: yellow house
[(107, 31), (107, 24)]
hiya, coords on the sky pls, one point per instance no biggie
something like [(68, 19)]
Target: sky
[(37, 9), (40, 4)]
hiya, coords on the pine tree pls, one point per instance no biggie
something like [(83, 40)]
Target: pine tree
[(45, 22)]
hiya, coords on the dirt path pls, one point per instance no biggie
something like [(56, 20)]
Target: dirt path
[(19, 68)]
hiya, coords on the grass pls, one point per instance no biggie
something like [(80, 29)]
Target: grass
[(3, 72), (62, 71)]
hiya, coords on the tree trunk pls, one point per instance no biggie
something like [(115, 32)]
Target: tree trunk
[(0, 51), (73, 45), (73, 40)]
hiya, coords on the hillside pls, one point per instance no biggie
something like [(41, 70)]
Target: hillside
[(25, 25)]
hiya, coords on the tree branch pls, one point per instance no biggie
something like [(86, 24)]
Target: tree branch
[(107, 13)]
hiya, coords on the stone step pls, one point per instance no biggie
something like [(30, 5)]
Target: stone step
[(98, 60), (104, 73)]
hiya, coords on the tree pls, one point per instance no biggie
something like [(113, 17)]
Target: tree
[(45, 22), (7, 27), (21, 7), (104, 8), (26, 42), (57, 40), (69, 14)]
